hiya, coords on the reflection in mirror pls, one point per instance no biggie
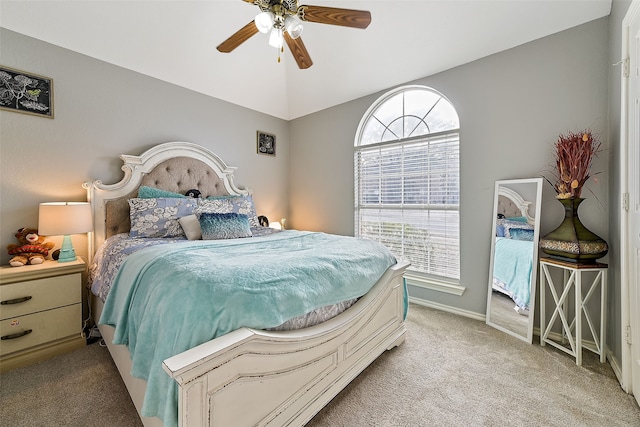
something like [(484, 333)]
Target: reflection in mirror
[(514, 255)]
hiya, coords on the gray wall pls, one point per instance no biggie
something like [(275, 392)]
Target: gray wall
[(101, 111), (512, 106)]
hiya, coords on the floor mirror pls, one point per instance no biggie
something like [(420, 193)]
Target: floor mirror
[(514, 256)]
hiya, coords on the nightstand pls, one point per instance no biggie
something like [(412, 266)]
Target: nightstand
[(40, 311)]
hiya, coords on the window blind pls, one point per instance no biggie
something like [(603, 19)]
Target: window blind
[(407, 198)]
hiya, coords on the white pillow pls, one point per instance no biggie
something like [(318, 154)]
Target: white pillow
[(191, 227)]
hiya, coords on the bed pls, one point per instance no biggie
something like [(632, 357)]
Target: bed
[(514, 249), (241, 376)]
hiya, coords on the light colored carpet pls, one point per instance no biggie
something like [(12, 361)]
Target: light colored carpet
[(451, 371), (82, 388)]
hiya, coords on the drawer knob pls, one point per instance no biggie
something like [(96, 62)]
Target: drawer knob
[(16, 300), (17, 335)]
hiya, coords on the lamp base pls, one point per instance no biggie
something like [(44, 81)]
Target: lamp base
[(67, 253)]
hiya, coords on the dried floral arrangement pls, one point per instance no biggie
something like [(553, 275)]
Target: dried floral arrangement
[(574, 153)]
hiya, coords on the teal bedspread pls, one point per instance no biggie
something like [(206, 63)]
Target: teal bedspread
[(513, 263), (169, 298)]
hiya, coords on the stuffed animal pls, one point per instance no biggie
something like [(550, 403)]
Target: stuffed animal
[(194, 193), (31, 250)]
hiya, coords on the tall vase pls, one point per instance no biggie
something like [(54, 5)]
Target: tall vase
[(571, 241)]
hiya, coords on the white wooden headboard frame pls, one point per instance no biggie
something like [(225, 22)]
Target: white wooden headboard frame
[(184, 166), (510, 202)]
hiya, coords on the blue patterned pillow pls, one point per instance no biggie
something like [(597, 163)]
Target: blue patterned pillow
[(231, 225), (521, 234), (145, 192), (509, 225), (159, 217), (227, 204)]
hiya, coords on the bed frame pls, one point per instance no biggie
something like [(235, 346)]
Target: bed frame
[(247, 377), (511, 204)]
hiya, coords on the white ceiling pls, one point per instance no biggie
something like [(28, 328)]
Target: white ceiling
[(176, 41)]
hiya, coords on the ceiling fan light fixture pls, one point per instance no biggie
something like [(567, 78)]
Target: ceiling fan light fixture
[(276, 38), (264, 21), (293, 25)]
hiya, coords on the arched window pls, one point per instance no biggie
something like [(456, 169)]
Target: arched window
[(407, 179)]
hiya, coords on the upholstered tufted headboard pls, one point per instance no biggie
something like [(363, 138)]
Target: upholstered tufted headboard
[(511, 204), (172, 166)]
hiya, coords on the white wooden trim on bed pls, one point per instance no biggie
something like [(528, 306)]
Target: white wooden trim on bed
[(518, 201), (284, 378), (252, 377)]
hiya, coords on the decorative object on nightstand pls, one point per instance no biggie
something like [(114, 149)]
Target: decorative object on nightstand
[(40, 311), (32, 249), (263, 220), (572, 241), (65, 218)]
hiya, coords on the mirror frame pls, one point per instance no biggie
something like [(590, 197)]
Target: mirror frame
[(536, 236)]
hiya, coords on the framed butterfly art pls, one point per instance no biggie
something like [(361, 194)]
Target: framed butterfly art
[(27, 93)]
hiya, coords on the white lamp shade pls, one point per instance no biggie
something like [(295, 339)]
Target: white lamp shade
[(61, 218), (275, 225), (293, 25), (264, 21), (275, 38)]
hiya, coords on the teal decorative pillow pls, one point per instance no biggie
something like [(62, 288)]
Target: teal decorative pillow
[(159, 217), (217, 226), (145, 192), (226, 204), (518, 219)]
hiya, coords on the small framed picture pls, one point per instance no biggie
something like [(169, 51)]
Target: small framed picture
[(27, 93), (266, 143)]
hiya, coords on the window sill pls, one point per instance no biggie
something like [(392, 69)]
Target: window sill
[(435, 285)]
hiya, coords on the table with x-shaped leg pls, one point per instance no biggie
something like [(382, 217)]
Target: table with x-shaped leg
[(571, 341)]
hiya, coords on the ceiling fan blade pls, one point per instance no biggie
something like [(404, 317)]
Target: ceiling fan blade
[(299, 51), (335, 16), (241, 36)]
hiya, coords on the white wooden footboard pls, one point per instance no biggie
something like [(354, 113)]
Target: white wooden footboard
[(251, 377)]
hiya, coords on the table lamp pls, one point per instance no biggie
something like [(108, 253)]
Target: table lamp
[(64, 218)]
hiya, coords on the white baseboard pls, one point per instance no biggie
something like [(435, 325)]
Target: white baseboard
[(448, 308), (615, 365), (435, 285)]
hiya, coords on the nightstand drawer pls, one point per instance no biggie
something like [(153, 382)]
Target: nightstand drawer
[(41, 294), (45, 326)]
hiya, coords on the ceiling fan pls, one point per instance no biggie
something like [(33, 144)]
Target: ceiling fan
[(283, 20)]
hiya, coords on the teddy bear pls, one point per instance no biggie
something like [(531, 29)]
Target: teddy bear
[(31, 250)]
